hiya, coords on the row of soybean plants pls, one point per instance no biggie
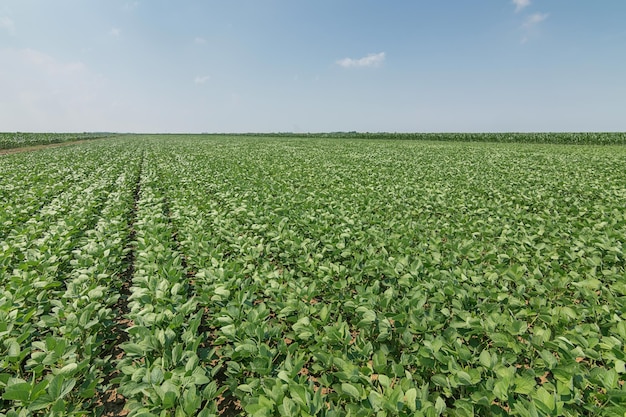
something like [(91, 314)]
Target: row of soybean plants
[(166, 365), (28, 184), (60, 279), (352, 278), (20, 139)]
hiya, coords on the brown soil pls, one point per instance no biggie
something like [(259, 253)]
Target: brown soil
[(228, 406), (112, 404)]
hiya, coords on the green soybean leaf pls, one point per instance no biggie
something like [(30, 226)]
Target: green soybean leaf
[(351, 390), (17, 392)]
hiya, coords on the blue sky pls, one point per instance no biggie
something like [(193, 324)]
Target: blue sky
[(311, 66)]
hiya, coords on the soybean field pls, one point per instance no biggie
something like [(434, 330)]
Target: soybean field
[(17, 139), (191, 275)]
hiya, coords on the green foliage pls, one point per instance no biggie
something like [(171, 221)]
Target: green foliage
[(19, 139), (289, 277), (57, 291), (404, 277)]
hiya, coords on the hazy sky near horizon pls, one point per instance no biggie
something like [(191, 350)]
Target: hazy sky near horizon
[(311, 66)]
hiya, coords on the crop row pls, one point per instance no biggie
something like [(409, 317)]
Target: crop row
[(19, 139), (59, 286), (160, 369), (30, 189)]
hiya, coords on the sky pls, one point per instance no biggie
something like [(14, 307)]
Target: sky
[(312, 65)]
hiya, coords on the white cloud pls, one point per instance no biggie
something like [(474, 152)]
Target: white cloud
[(534, 19), (199, 40), (371, 60), (7, 24), (202, 79), (115, 32), (520, 4)]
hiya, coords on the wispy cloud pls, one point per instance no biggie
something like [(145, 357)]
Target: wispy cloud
[(530, 25), (7, 24), (115, 32), (40, 84), (534, 19), (201, 79), (48, 64), (131, 5), (520, 5), (371, 60), (199, 40)]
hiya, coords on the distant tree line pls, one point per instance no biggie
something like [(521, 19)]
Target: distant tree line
[(587, 138)]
